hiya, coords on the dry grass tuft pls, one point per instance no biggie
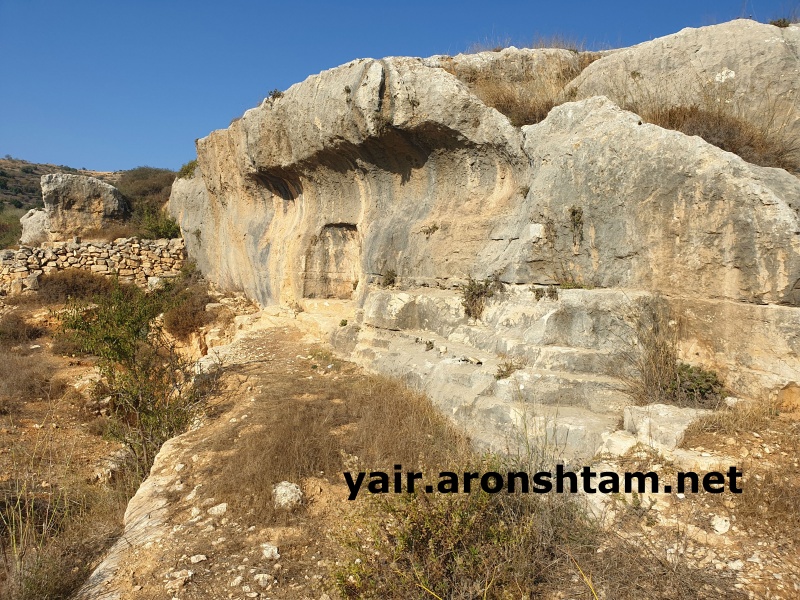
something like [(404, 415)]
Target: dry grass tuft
[(188, 313), (23, 380), (653, 373), (717, 123), (63, 286), (15, 329), (526, 102)]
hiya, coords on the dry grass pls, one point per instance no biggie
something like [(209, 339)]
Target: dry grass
[(509, 365), (529, 101), (188, 313), (653, 374), (718, 123), (750, 123), (111, 232), (15, 329), (23, 379), (63, 286), (743, 417), (373, 421), (50, 537)]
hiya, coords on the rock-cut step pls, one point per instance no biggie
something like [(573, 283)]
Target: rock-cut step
[(461, 380)]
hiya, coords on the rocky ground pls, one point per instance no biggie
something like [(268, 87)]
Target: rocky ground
[(183, 539)]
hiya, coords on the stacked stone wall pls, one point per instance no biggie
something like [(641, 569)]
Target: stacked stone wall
[(131, 259)]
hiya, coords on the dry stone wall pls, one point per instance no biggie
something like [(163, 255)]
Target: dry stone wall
[(131, 259)]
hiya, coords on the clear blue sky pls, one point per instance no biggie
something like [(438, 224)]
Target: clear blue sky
[(112, 84)]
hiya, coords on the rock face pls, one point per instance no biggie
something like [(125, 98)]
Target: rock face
[(394, 169), (73, 204)]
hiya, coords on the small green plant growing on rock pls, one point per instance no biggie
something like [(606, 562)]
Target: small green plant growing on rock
[(696, 386), (429, 230), (187, 170), (509, 365), (576, 224), (657, 376), (343, 323), (389, 278), (275, 94), (475, 293)]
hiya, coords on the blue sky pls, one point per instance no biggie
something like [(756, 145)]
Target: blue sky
[(111, 85)]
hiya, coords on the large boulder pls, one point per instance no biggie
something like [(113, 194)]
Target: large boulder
[(35, 227), (73, 205), (753, 68)]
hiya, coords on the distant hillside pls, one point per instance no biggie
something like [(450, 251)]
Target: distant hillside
[(19, 180), (147, 189)]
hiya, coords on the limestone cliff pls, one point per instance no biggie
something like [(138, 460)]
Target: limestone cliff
[(395, 165)]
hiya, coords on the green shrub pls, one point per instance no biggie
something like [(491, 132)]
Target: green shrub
[(475, 293), (146, 186), (389, 278), (656, 375), (188, 311), (698, 387), (151, 385), (187, 170), (156, 224)]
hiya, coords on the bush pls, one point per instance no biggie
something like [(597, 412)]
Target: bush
[(72, 284), (696, 386), (146, 187), (475, 293), (155, 224), (389, 278), (153, 395), (188, 312), (187, 170), (14, 329), (656, 375)]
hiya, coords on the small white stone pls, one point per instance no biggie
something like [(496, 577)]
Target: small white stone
[(720, 524), (287, 494), (198, 558), (270, 551), (218, 510), (263, 579)]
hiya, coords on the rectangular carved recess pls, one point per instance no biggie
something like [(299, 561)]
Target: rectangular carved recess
[(333, 261)]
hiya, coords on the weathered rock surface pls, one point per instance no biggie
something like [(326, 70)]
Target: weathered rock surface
[(73, 204), (751, 65), (35, 227)]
